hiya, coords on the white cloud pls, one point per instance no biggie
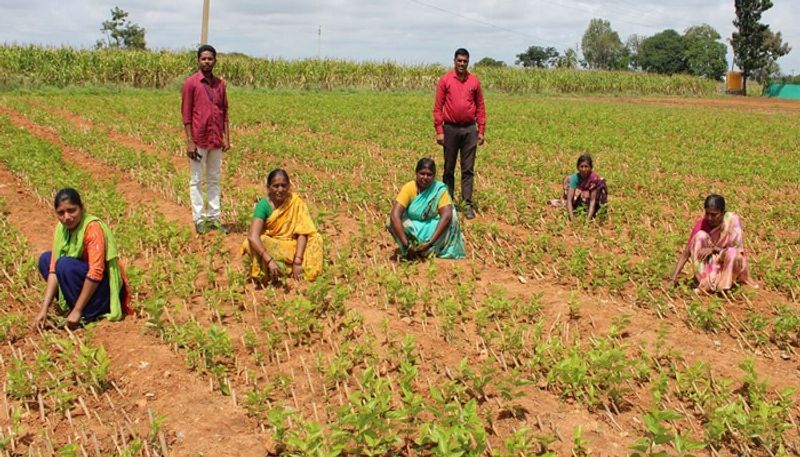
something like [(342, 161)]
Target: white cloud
[(408, 31)]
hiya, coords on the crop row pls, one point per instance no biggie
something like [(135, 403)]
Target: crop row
[(277, 353), (34, 66)]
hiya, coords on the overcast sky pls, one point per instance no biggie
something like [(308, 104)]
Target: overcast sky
[(405, 31)]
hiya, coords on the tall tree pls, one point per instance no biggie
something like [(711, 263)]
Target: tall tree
[(602, 48), (776, 48), (538, 56), (754, 45), (705, 54), (662, 53), (121, 32), (633, 43)]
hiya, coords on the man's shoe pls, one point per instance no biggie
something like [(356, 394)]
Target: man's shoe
[(469, 213), (201, 227), (214, 224)]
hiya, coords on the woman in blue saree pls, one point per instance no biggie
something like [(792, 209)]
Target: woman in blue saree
[(423, 220)]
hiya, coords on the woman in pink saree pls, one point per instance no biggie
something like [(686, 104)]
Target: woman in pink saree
[(716, 249)]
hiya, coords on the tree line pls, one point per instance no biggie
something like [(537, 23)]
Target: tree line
[(697, 51)]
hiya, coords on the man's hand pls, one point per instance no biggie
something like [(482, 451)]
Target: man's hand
[(480, 139), (226, 144), (191, 150), (440, 139)]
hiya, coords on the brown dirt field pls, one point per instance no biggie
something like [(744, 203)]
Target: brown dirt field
[(132, 191), (203, 422), (147, 373), (178, 158)]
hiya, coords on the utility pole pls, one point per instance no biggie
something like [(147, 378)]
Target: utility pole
[(204, 27), (319, 42)]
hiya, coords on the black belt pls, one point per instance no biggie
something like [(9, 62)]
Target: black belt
[(460, 124)]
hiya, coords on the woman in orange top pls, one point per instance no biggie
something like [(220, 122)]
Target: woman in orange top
[(83, 270)]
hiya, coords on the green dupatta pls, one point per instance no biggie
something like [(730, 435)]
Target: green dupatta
[(70, 244)]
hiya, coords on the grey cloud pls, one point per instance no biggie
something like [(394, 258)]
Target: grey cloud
[(401, 30)]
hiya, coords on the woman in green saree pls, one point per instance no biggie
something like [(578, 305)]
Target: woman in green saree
[(423, 221)]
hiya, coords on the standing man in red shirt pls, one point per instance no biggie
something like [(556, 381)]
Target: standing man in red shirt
[(456, 111), (204, 106)]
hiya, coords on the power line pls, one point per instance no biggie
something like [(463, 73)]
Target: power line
[(486, 23), (589, 10)]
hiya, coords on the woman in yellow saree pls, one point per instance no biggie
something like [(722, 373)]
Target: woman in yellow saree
[(282, 234)]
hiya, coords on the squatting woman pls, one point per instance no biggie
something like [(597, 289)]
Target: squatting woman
[(282, 235), (716, 249), (423, 220), (83, 271)]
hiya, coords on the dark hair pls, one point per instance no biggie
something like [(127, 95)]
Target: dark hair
[(461, 52), (67, 194), (206, 47), (714, 201), (585, 158), (426, 163), (274, 174)]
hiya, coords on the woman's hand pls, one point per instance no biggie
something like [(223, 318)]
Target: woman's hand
[(40, 321), (297, 271), (74, 318), (705, 253), (273, 268), (422, 249)]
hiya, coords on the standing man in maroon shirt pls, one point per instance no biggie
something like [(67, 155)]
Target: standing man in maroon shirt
[(204, 106), (456, 111)]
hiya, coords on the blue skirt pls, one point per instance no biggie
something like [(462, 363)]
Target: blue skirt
[(71, 274)]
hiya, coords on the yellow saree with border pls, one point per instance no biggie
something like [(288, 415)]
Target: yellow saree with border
[(280, 240)]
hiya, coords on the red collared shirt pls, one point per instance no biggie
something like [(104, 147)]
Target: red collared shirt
[(204, 106), (459, 102)]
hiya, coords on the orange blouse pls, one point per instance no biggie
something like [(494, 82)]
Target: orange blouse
[(94, 252)]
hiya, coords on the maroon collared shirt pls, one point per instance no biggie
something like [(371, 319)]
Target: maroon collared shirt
[(204, 106), (459, 102)]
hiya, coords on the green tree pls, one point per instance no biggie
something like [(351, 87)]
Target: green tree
[(632, 44), (568, 60), (121, 32), (602, 48), (490, 62), (776, 47), (538, 56), (755, 47), (663, 53), (705, 54)]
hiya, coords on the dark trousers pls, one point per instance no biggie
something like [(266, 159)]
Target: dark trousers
[(71, 274), (463, 139)]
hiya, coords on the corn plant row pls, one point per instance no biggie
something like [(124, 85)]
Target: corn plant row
[(35, 66)]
